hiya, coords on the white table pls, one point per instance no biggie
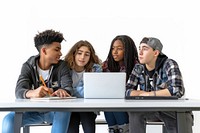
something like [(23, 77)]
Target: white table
[(180, 106)]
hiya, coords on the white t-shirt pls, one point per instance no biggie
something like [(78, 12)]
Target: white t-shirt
[(45, 73)]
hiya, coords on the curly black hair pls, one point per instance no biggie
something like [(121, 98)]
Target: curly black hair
[(47, 37)]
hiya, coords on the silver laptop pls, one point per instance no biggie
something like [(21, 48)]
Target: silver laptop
[(104, 84)]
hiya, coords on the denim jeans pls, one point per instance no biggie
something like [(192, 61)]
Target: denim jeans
[(138, 121), (59, 120), (116, 118), (87, 120)]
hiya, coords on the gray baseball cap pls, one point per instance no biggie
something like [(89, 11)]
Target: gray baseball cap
[(155, 44)]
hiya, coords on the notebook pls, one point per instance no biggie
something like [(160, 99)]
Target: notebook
[(50, 98), (104, 84), (151, 97)]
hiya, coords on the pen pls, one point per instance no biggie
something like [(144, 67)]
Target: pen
[(41, 78)]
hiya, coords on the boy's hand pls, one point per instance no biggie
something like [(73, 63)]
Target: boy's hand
[(41, 91), (60, 93)]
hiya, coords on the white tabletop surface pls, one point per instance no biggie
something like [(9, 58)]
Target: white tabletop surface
[(180, 106), (100, 104)]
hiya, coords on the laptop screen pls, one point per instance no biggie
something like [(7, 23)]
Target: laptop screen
[(104, 84)]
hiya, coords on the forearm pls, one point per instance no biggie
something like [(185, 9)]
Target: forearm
[(164, 92), (29, 93), (136, 92)]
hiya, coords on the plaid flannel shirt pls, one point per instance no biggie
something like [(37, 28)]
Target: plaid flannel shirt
[(167, 76)]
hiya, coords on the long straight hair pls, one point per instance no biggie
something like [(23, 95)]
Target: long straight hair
[(130, 55)]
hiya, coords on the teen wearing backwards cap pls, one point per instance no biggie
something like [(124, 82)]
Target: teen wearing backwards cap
[(157, 75)]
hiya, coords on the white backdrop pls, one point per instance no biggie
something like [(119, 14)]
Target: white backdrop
[(175, 23)]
